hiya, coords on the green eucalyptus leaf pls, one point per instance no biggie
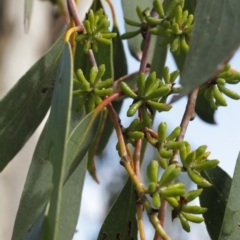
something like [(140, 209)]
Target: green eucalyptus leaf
[(26, 104), (80, 141), (56, 140), (210, 45), (230, 227), (204, 110), (121, 222), (159, 57), (71, 202), (36, 193), (215, 199)]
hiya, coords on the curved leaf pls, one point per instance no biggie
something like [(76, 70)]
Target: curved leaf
[(230, 227), (159, 57), (211, 45), (215, 199), (56, 139), (80, 140), (26, 104), (121, 222), (204, 110)]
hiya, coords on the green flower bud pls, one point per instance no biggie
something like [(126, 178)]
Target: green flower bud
[(159, 106), (175, 192), (90, 105), (193, 209), (130, 34), (146, 117), (159, 8), (141, 85), (160, 92), (183, 44), (191, 195), (127, 90), (189, 159), (176, 29), (132, 23), (133, 108), (218, 96), (165, 153), (162, 132), (193, 218), (172, 201), (197, 178), (200, 150), (163, 163), (150, 82), (153, 21), (174, 134), (174, 145), (205, 165), (184, 223), (136, 135), (152, 171), (229, 92), (104, 84), (83, 80), (96, 99), (174, 75), (103, 92), (152, 187), (171, 172), (156, 200)]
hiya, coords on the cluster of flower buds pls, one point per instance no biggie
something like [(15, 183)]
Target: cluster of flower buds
[(96, 26), (161, 188), (214, 90), (187, 213), (93, 91), (174, 24), (193, 162), (151, 95), (173, 193)]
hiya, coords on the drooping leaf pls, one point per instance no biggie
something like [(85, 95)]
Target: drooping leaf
[(230, 227), (80, 140), (26, 104), (120, 222), (71, 201), (215, 199), (56, 140), (210, 45), (36, 193), (204, 110), (159, 57), (27, 13)]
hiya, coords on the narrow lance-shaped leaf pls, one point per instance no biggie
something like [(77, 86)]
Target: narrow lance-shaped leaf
[(37, 191), (57, 134), (215, 199), (210, 45), (26, 104), (121, 224), (230, 227)]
